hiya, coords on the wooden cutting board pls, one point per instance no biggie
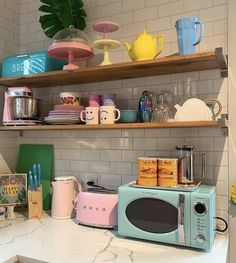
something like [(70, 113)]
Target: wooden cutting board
[(30, 154)]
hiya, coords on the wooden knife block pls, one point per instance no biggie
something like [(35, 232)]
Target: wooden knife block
[(35, 203)]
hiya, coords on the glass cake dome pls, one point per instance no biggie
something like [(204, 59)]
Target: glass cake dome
[(71, 34), (72, 45)]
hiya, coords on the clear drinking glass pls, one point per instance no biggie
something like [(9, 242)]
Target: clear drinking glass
[(161, 112), (189, 88)]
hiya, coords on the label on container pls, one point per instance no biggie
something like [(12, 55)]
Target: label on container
[(167, 172), (147, 171), (13, 189)]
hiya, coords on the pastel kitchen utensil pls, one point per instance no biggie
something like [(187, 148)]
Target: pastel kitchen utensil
[(193, 110), (90, 115), (186, 28), (145, 46), (106, 44), (64, 196), (107, 114)]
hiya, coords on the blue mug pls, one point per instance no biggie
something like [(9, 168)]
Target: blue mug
[(187, 34)]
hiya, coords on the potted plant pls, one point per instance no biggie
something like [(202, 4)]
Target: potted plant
[(61, 14)]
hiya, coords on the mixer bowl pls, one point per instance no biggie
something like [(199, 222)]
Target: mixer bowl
[(26, 108)]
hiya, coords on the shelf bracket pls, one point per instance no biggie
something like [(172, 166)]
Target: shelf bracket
[(222, 61), (222, 123)]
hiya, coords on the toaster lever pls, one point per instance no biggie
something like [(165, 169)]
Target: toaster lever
[(181, 232)]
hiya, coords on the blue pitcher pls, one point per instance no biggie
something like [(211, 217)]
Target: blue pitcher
[(187, 34)]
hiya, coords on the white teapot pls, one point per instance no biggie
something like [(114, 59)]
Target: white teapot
[(193, 110)]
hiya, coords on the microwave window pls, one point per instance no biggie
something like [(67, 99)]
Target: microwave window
[(153, 215)]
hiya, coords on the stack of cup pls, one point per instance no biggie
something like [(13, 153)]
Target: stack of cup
[(102, 109)]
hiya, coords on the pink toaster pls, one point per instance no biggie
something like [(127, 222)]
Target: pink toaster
[(97, 207)]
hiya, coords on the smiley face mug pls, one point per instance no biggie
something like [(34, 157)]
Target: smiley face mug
[(107, 114), (91, 115)]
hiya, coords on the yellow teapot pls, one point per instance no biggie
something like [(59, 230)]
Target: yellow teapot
[(145, 46)]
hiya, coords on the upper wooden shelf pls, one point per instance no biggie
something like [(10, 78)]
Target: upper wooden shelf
[(112, 126), (160, 66)]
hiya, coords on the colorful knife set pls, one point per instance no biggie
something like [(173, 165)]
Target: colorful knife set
[(35, 177)]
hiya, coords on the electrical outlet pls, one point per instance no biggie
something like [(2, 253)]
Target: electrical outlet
[(85, 178)]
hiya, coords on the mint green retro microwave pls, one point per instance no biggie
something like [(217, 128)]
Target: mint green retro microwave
[(174, 217)]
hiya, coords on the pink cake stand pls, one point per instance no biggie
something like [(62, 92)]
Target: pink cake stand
[(105, 27), (72, 52)]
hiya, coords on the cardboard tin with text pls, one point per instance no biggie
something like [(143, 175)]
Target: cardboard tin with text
[(13, 189)]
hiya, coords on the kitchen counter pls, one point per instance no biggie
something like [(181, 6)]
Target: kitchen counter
[(63, 241)]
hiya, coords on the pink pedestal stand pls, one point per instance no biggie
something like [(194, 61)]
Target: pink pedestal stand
[(106, 44), (105, 27), (70, 51)]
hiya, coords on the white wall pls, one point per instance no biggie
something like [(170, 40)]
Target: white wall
[(9, 45), (111, 156), (232, 122)]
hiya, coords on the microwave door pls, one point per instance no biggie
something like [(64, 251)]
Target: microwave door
[(153, 215)]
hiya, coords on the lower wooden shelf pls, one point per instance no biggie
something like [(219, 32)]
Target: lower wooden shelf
[(111, 126)]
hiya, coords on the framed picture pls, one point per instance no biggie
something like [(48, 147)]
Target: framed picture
[(13, 189)]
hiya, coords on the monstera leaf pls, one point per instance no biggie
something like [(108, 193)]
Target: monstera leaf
[(61, 14)]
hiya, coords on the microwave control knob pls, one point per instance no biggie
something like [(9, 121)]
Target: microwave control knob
[(200, 239), (200, 208)]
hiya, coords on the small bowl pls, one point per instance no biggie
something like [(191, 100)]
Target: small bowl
[(128, 116), (70, 98)]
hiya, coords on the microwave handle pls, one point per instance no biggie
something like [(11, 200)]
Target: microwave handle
[(181, 232)]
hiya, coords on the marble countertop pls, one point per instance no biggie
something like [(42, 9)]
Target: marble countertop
[(63, 241)]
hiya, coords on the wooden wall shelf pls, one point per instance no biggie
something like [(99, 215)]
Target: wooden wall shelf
[(111, 126), (160, 66)]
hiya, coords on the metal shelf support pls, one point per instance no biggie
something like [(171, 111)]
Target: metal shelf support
[(222, 61), (223, 124)]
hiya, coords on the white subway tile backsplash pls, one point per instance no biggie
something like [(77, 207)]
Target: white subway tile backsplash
[(131, 156), (190, 5), (100, 167), (80, 143), (111, 9), (221, 173), (121, 143), (128, 5), (171, 8), (145, 14), (221, 144), (133, 133), (70, 154), (157, 133), (169, 143), (121, 168), (222, 187), (201, 144), (213, 13), (111, 155), (185, 132), (79, 166), (144, 143)]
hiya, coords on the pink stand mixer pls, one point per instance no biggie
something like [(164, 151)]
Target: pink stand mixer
[(20, 108)]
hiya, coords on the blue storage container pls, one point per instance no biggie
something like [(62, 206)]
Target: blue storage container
[(33, 63)]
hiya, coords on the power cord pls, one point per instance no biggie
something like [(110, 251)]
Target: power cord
[(226, 224)]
